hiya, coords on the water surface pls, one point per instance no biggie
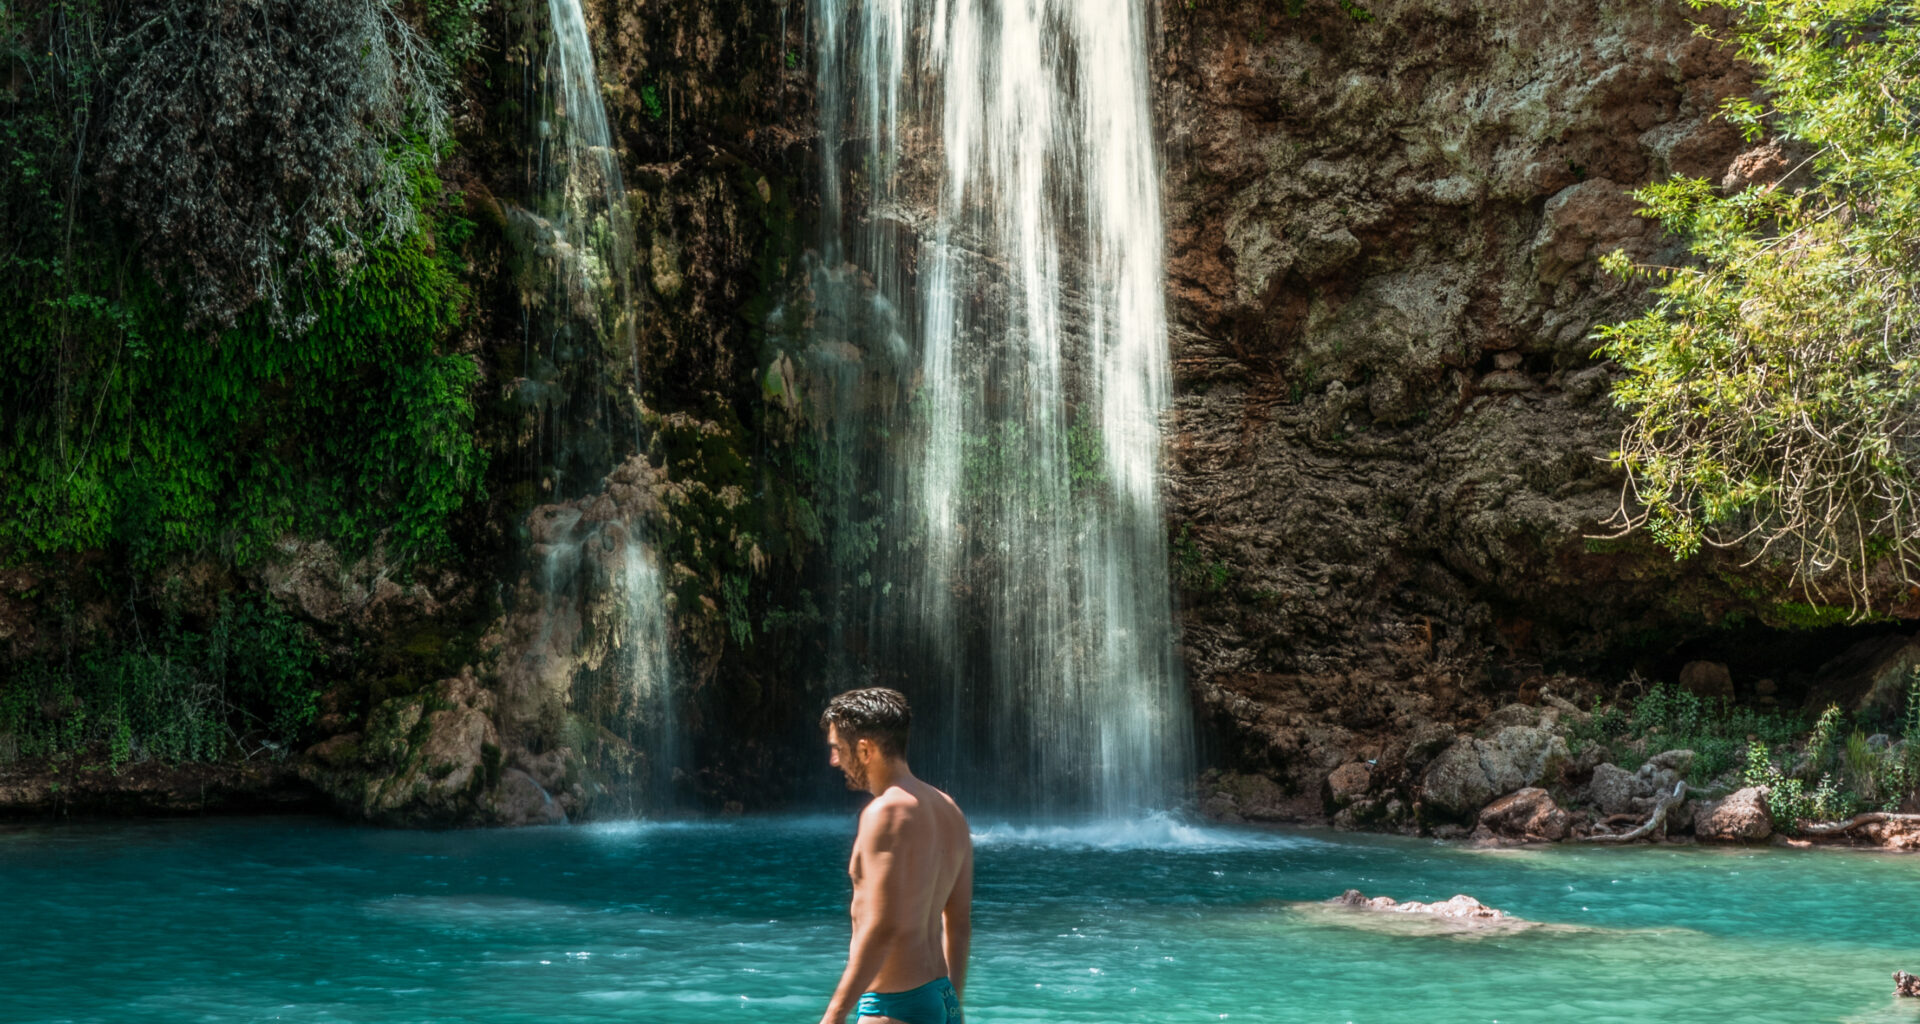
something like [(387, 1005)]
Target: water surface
[(306, 920)]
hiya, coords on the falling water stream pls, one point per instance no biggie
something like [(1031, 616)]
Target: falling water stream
[(989, 319), (582, 361)]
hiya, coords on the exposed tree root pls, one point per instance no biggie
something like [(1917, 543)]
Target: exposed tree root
[(1657, 821), (1869, 818)]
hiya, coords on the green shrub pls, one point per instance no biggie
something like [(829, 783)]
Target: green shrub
[(1772, 389), (245, 685)]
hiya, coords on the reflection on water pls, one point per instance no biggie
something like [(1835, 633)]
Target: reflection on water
[(1153, 920)]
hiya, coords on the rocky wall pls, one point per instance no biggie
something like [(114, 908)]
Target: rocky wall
[(1387, 481)]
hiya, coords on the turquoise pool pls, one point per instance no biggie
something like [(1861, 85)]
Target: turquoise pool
[(744, 920)]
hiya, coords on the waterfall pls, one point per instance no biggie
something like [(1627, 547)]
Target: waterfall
[(989, 321), (601, 648)]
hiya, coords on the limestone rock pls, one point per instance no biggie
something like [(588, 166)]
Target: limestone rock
[(1251, 796), (1527, 814), (1871, 677), (1742, 817), (1455, 784), (1471, 772), (1349, 782), (1706, 679), (1461, 908), (1613, 789), (1425, 739), (429, 759), (1675, 761), (1520, 755), (519, 800), (1513, 714)]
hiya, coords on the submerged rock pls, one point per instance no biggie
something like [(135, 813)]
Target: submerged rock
[(1906, 985), (1742, 817), (1460, 910)]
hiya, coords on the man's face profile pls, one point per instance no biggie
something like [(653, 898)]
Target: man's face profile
[(846, 757)]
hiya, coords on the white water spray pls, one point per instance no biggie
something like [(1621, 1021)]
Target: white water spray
[(1006, 189)]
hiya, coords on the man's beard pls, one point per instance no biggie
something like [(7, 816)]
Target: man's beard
[(856, 776)]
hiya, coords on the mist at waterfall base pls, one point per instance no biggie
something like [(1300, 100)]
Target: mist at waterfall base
[(988, 358), (1143, 923)]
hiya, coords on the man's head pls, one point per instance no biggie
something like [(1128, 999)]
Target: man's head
[(863, 725)]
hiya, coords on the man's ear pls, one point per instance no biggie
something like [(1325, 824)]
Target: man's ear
[(865, 749)]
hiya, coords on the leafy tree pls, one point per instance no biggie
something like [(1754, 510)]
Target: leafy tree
[(1773, 388)]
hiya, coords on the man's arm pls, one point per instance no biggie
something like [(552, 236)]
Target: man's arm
[(956, 920), (875, 897)]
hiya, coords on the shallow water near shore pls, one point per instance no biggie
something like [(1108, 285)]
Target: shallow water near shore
[(745, 920)]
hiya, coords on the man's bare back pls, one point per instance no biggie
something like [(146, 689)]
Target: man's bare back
[(912, 871)]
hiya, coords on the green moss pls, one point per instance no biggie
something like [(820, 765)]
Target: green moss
[(1802, 615)]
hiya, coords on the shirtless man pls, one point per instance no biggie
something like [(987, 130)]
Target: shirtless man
[(912, 874)]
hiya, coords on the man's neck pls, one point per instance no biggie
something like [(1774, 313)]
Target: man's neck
[(885, 773)]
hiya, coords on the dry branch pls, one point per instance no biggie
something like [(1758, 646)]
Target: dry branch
[(1657, 821), (1858, 820)]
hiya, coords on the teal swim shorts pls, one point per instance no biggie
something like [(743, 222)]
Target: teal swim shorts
[(932, 1003)]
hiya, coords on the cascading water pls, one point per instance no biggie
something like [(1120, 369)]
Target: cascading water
[(988, 316), (602, 640)]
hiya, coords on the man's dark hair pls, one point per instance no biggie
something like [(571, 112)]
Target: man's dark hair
[(874, 713)]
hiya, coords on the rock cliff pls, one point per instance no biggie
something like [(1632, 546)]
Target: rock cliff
[(1387, 468)]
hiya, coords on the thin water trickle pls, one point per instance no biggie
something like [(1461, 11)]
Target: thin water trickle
[(583, 375), (990, 309)]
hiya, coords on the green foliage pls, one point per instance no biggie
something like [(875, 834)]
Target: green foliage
[(1086, 458), (123, 427), (454, 26), (247, 144), (1773, 386), (1670, 717), (1787, 800), (739, 623), (1805, 615), (244, 684), (1192, 569), (1851, 775), (1911, 720), (650, 102)]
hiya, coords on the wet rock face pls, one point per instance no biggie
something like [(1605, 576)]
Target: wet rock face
[(430, 759), (1388, 447)]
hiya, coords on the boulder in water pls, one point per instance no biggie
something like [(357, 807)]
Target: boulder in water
[(1462, 908), (1349, 782), (1906, 985), (1472, 772), (1526, 814), (519, 800), (1455, 784)]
